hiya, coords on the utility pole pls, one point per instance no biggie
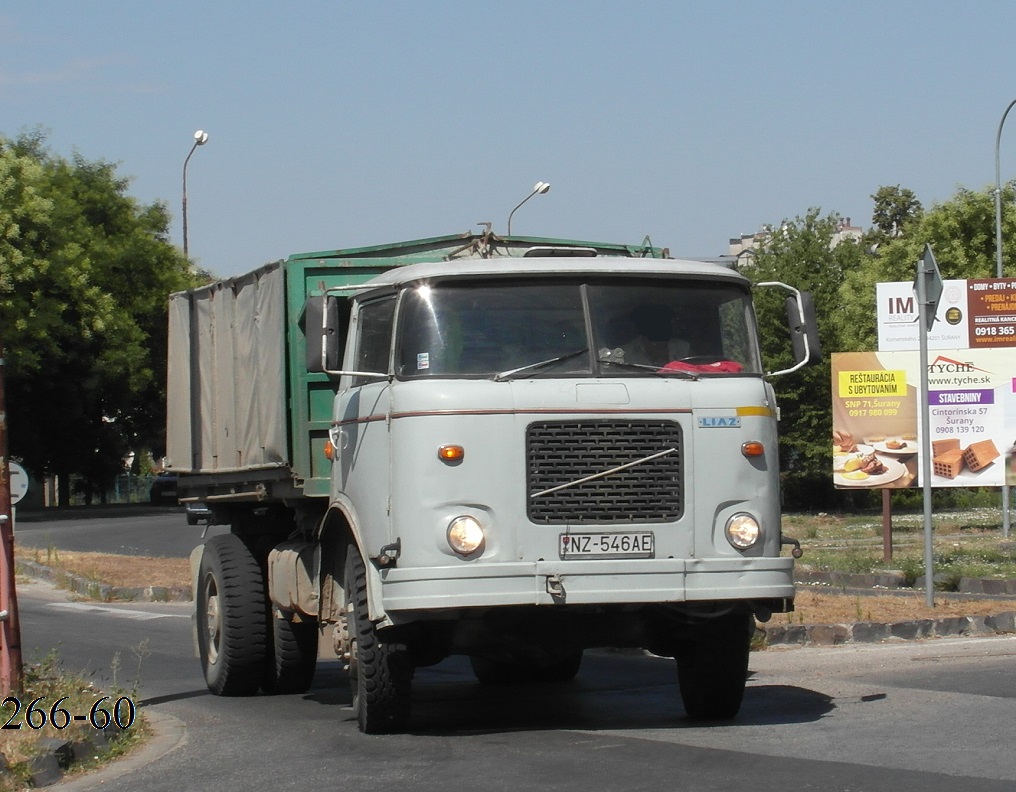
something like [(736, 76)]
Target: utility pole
[(10, 625)]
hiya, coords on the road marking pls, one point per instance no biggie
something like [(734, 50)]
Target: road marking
[(120, 613)]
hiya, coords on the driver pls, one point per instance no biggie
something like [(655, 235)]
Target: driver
[(655, 344)]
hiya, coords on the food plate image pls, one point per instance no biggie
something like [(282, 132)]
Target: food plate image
[(909, 447), (894, 469), (840, 457)]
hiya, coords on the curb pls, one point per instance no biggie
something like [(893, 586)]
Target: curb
[(881, 632), (59, 756), (102, 591)]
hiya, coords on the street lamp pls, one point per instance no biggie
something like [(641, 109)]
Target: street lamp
[(200, 138), (540, 188), (998, 274)]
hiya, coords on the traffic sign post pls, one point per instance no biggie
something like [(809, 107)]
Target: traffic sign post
[(928, 288)]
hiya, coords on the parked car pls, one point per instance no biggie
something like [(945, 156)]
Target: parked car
[(198, 512), (163, 489)]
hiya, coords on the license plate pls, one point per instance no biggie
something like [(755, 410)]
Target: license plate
[(635, 544)]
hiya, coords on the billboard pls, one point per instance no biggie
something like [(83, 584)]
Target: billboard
[(972, 414), (972, 314)]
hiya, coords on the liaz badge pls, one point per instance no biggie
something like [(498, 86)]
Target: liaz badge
[(719, 422)]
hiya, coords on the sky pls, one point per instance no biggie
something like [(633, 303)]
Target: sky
[(339, 124)]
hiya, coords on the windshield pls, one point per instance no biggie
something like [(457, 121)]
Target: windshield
[(555, 328)]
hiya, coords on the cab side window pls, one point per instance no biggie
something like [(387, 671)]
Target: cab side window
[(374, 338)]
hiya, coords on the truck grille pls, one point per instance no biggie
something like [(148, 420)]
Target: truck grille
[(563, 452)]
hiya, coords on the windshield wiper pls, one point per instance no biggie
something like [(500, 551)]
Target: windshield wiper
[(652, 369), (506, 375)]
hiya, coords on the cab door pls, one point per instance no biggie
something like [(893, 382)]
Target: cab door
[(363, 420)]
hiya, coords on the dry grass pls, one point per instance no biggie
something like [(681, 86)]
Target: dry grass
[(115, 570), (823, 607)]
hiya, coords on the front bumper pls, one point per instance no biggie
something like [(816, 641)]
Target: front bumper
[(600, 582)]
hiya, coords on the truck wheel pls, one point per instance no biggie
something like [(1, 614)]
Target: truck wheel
[(231, 620), (290, 667), (712, 667), (380, 670)]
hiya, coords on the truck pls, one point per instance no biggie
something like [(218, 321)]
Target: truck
[(513, 449)]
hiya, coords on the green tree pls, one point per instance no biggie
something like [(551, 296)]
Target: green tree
[(84, 278), (801, 253), (896, 209), (961, 233)]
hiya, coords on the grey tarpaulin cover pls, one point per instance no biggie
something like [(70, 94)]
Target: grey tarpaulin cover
[(226, 385)]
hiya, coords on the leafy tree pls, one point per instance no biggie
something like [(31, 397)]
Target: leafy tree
[(961, 232), (896, 208), (85, 271), (801, 253)]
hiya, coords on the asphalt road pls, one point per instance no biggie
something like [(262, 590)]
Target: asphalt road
[(159, 531), (920, 716)]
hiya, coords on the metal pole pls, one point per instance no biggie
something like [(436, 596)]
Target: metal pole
[(998, 274), (887, 527), (929, 559), (185, 198), (10, 626)]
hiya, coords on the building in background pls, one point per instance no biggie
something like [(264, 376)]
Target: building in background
[(741, 250)]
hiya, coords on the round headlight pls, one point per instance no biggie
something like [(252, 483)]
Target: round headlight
[(465, 535), (743, 531)]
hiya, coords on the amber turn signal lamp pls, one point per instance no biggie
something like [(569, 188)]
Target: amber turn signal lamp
[(753, 448), (451, 453), (329, 451)]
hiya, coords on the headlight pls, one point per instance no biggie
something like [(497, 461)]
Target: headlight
[(742, 531), (465, 535)]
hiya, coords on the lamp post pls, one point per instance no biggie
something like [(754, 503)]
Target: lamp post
[(200, 138), (998, 274), (540, 188)]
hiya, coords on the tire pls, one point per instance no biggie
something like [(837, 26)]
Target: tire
[(192, 520), (290, 666), (712, 667), (500, 672), (380, 670), (231, 623)]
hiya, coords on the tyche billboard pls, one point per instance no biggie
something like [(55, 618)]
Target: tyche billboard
[(876, 423)]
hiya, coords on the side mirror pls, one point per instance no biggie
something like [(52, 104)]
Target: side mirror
[(324, 321), (804, 329)]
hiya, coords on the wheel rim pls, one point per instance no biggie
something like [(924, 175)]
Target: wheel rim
[(213, 620)]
